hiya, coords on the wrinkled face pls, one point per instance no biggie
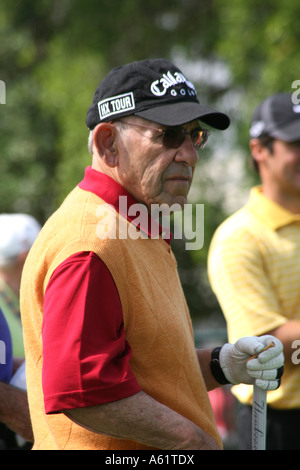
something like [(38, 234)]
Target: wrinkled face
[(151, 172)]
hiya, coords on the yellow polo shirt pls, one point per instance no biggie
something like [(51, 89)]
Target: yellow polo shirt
[(254, 270)]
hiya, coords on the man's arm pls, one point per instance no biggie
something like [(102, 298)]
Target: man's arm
[(142, 419), (204, 358), (14, 411)]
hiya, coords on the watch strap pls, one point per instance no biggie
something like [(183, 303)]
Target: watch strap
[(216, 368)]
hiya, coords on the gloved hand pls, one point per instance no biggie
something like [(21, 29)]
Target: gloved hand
[(265, 370)]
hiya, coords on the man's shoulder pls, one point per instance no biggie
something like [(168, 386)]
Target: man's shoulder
[(238, 225)]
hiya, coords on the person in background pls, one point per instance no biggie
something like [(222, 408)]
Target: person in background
[(254, 266), (17, 234)]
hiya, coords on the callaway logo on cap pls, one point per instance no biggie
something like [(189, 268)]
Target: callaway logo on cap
[(153, 89)]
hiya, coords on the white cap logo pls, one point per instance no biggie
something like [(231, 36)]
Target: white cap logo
[(160, 87), (296, 108), (257, 128)]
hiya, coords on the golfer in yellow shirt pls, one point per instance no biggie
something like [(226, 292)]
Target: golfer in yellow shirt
[(254, 266)]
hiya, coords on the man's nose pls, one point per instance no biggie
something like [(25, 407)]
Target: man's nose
[(187, 153)]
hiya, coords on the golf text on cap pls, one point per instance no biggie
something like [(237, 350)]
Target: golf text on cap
[(115, 105), (160, 87)]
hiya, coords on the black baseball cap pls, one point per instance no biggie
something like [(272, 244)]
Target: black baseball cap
[(277, 116), (154, 89)]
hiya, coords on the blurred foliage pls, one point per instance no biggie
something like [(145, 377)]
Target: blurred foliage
[(261, 44), (53, 54)]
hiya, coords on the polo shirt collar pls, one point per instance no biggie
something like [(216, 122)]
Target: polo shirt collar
[(110, 191), (272, 214)]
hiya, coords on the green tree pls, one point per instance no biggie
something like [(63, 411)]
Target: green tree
[(53, 54), (260, 42)]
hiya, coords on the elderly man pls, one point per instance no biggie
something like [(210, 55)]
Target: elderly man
[(108, 337)]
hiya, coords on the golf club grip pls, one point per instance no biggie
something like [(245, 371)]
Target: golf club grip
[(259, 418), (259, 414)]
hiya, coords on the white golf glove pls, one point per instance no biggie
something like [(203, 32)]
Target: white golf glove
[(266, 369)]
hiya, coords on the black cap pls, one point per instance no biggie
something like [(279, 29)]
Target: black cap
[(153, 89), (278, 117)]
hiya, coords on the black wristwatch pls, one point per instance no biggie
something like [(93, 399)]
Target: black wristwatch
[(215, 367)]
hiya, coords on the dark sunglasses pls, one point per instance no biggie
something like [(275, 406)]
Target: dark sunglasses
[(174, 136)]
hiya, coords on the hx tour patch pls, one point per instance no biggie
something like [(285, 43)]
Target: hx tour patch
[(116, 105)]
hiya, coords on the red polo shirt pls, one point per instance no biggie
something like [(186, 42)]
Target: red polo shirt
[(86, 358)]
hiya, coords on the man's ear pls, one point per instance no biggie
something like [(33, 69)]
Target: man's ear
[(104, 136), (258, 151)]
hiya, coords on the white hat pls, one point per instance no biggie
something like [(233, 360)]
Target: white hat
[(17, 234)]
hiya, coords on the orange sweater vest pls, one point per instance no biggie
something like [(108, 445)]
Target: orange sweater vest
[(156, 318)]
